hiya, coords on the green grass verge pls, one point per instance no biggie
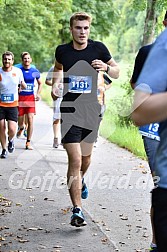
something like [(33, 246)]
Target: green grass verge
[(45, 93), (125, 137)]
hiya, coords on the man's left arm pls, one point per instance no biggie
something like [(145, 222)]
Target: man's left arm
[(111, 67), (39, 81)]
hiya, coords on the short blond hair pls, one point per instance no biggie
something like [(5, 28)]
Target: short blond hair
[(23, 54), (7, 53), (80, 16)]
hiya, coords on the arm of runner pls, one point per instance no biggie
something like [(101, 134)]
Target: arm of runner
[(148, 108), (111, 67), (23, 85), (37, 97), (48, 80), (57, 81)]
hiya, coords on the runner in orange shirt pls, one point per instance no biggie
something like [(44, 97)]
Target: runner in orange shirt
[(11, 81)]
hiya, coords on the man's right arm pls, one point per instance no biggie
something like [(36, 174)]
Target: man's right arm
[(57, 78), (148, 108)]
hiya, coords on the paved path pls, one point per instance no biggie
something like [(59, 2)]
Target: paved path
[(35, 211)]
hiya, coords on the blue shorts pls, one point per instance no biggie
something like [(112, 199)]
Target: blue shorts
[(150, 146)]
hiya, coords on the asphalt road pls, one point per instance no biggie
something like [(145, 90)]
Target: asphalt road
[(35, 207)]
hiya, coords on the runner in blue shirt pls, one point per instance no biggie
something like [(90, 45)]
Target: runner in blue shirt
[(149, 132), (27, 97), (150, 105)]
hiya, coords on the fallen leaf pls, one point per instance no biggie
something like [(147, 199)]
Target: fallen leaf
[(23, 241), (104, 240), (33, 229), (2, 238), (124, 218), (65, 211), (108, 229), (57, 246), (18, 204), (48, 199)]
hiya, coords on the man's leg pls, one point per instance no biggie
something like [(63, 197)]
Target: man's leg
[(3, 133), (56, 122), (159, 203), (151, 146), (30, 118), (20, 125), (21, 121), (86, 150), (74, 182), (12, 128), (73, 173), (56, 132), (3, 138)]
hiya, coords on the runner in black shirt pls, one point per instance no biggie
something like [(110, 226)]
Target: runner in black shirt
[(80, 60)]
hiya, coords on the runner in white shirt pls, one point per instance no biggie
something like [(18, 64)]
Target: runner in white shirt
[(11, 82)]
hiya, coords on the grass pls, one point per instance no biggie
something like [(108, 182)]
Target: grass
[(125, 137), (45, 93)]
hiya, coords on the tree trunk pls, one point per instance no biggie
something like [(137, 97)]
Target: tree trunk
[(150, 22)]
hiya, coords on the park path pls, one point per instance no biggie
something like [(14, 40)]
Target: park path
[(35, 211)]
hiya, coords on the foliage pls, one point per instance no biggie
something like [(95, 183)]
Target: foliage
[(38, 26), (103, 14), (29, 26)]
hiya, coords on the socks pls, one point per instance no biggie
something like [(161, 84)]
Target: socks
[(153, 245)]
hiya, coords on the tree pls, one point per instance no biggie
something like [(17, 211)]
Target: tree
[(31, 25), (150, 22), (103, 13), (154, 9)]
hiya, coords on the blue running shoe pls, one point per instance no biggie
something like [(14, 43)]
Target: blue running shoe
[(77, 219), (25, 133), (84, 192), (153, 249)]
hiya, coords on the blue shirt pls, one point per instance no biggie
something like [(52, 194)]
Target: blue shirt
[(30, 75), (153, 79)]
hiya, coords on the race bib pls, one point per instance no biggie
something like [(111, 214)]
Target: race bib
[(80, 84), (150, 130), (8, 98), (30, 87)]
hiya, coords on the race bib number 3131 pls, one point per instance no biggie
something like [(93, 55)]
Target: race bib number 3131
[(80, 84)]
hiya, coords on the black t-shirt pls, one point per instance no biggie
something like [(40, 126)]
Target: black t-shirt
[(139, 61), (68, 56)]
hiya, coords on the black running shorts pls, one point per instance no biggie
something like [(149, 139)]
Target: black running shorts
[(9, 113)]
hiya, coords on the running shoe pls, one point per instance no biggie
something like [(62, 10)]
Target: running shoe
[(28, 146), (11, 146), (19, 132), (55, 143), (84, 192), (25, 133), (154, 249), (4, 154), (78, 219)]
